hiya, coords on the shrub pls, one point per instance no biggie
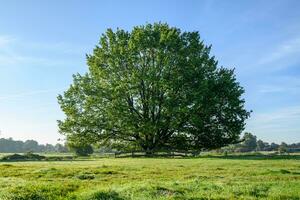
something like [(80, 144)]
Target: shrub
[(81, 149), (19, 157)]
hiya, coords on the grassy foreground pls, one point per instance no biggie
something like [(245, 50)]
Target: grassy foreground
[(151, 178)]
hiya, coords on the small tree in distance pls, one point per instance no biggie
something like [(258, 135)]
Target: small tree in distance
[(260, 145), (154, 88), (250, 141), (283, 148)]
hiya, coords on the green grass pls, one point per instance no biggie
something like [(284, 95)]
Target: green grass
[(152, 178)]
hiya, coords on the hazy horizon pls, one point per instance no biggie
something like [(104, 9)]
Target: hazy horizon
[(43, 43)]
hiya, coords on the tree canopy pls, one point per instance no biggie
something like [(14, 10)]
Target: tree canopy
[(152, 88)]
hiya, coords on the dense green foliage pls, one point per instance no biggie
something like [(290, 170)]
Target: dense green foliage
[(81, 149), (154, 88), (231, 177)]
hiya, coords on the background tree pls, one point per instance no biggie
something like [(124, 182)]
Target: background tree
[(81, 149), (31, 146), (60, 148), (267, 146), (260, 145), (151, 87), (274, 146), (248, 144), (14, 146), (283, 148)]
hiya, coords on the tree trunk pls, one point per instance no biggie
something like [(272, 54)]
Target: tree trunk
[(149, 152)]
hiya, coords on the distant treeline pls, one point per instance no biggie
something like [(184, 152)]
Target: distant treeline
[(14, 146), (250, 143)]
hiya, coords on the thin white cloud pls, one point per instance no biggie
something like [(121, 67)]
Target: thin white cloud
[(62, 47), (16, 59), (6, 40), (271, 89), (289, 85), (283, 88), (291, 89), (266, 56), (286, 52), (30, 93), (277, 124), (14, 51), (285, 114)]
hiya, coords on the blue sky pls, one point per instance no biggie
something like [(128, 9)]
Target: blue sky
[(42, 43)]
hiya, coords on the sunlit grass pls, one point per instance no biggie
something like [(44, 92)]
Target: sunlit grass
[(152, 178)]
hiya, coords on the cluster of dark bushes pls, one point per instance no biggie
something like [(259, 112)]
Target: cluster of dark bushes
[(21, 157), (33, 157)]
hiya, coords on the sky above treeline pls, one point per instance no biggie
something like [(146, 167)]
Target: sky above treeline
[(42, 43)]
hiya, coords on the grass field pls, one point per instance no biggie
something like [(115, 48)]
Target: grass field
[(152, 178)]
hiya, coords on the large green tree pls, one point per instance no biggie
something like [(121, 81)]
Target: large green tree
[(153, 88)]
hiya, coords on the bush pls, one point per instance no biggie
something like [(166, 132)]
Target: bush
[(19, 157), (81, 149)]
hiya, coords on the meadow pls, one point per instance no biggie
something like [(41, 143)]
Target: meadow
[(231, 177)]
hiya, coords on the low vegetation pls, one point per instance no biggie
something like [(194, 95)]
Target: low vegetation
[(19, 157), (32, 157), (207, 177)]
